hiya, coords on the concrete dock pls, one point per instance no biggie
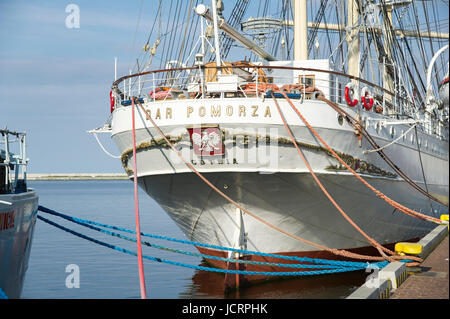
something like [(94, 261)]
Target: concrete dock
[(428, 281), (432, 282)]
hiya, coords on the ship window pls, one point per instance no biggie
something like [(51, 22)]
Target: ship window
[(340, 120), (392, 132), (378, 127), (308, 79), (366, 123)]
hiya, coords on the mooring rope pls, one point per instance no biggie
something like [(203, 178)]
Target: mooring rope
[(311, 171), (388, 200), (351, 266), (3, 294), (136, 209), (371, 141), (86, 223)]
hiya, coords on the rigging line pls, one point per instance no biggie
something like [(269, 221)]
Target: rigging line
[(182, 37), (392, 142), (438, 27), (424, 56), (135, 32), (104, 150), (411, 75), (174, 27), (421, 166), (191, 34), (317, 20), (165, 38), (424, 5), (158, 14), (328, 37)]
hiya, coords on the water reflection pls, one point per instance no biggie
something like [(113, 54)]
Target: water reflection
[(334, 286)]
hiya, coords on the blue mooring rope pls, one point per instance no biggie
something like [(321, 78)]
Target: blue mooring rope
[(337, 266), (3, 294)]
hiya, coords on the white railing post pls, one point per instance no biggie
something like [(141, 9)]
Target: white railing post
[(153, 79)]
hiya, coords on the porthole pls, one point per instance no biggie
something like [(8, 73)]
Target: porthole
[(392, 132), (340, 120)]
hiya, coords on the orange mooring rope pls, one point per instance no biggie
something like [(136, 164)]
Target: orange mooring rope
[(376, 146), (338, 252), (136, 209), (371, 240), (393, 203)]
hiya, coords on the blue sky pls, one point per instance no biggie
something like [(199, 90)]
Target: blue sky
[(55, 81)]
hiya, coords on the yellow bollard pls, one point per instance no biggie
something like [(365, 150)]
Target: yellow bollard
[(408, 248), (445, 218)]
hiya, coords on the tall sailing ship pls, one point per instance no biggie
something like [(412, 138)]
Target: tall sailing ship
[(229, 147)]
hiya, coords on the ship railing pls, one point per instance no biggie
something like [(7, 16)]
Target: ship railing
[(249, 81), (10, 162)]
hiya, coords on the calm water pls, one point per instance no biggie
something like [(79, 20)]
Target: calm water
[(106, 273)]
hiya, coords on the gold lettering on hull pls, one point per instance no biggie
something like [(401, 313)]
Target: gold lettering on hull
[(214, 111)]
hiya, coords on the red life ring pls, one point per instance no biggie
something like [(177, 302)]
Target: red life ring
[(366, 96), (112, 100), (348, 88)]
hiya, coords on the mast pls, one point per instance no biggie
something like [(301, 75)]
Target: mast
[(203, 11), (388, 83), (353, 38), (300, 30), (216, 34)]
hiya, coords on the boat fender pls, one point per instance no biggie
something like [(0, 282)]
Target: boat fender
[(366, 99), (112, 100), (349, 90)]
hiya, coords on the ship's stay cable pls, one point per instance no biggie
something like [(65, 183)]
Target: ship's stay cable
[(338, 252)]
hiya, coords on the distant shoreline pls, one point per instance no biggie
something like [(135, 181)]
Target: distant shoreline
[(76, 176)]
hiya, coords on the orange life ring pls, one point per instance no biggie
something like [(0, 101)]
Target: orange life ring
[(366, 96), (348, 88), (160, 93), (112, 100)]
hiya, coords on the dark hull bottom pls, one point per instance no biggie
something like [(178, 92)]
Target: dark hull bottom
[(233, 281)]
